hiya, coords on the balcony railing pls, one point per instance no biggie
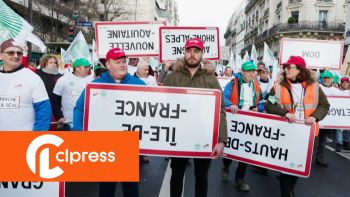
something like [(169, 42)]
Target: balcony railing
[(250, 5), (330, 1), (229, 33), (294, 1), (300, 27)]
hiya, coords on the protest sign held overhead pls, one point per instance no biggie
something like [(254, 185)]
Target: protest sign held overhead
[(135, 38), (270, 142), (173, 39), (163, 116), (223, 81), (317, 53)]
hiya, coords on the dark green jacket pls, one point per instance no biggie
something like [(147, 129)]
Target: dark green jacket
[(320, 112), (201, 79)]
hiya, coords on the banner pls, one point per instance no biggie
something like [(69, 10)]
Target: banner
[(339, 113), (67, 156), (177, 122), (12, 25), (173, 39), (317, 53), (135, 38), (270, 141), (32, 189)]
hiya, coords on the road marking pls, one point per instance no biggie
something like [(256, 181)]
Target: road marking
[(165, 189), (346, 154)]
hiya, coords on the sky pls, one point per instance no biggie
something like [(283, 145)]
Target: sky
[(207, 13)]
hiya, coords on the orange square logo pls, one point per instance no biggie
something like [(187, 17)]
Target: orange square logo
[(69, 156)]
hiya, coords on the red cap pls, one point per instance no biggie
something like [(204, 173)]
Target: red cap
[(8, 43), (344, 79), (194, 42), (115, 53), (297, 60)]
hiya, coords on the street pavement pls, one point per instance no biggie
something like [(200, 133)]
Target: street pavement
[(331, 181)]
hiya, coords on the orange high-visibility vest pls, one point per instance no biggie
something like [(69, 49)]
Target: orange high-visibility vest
[(311, 96), (234, 94)]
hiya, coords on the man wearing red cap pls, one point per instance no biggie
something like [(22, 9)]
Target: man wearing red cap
[(296, 96), (343, 136), (117, 73), (192, 75), (24, 103), (345, 85)]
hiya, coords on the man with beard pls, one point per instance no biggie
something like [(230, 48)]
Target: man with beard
[(24, 104), (194, 76)]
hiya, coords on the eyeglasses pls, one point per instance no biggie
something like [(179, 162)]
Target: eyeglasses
[(12, 53), (288, 67)]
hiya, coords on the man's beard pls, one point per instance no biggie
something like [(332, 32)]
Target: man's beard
[(192, 65)]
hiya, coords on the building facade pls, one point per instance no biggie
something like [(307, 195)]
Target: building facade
[(141, 10), (235, 30), (271, 20)]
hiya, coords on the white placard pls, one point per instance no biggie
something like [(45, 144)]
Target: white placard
[(317, 53), (223, 81), (173, 39), (339, 113), (172, 121), (270, 142), (32, 189), (135, 38)]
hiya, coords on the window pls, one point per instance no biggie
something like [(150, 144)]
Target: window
[(295, 14), (322, 16)]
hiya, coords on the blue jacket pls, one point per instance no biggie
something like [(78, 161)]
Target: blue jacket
[(42, 115), (228, 90), (78, 113)]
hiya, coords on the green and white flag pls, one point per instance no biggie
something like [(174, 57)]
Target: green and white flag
[(78, 49), (246, 57), (270, 60), (12, 25), (238, 63), (254, 55), (62, 56)]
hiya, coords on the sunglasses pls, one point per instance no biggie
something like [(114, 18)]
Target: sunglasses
[(12, 53), (288, 67)]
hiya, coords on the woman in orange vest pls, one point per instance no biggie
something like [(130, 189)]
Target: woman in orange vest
[(296, 96)]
